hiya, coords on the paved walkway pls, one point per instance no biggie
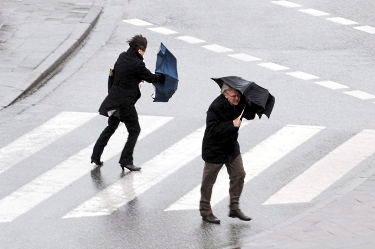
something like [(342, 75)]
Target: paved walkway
[(36, 36), (348, 222)]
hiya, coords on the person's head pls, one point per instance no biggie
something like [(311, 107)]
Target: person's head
[(139, 43), (232, 95)]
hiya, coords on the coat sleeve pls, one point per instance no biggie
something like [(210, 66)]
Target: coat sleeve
[(249, 112), (146, 75)]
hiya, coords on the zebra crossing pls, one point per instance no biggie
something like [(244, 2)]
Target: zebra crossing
[(40, 137), (263, 156), (327, 170), (280, 143)]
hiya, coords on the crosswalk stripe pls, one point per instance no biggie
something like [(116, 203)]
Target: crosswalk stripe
[(62, 175), (153, 172), (256, 161), (40, 137), (136, 183), (326, 171)]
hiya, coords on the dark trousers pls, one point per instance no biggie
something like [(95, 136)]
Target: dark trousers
[(129, 116), (104, 137), (237, 178)]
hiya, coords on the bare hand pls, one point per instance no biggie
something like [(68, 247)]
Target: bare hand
[(237, 122)]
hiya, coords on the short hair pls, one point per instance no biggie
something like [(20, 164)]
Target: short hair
[(225, 88), (138, 42)]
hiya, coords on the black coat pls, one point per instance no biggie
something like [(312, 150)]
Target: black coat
[(220, 143), (129, 71)]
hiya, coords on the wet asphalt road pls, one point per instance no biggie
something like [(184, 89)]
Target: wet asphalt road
[(267, 31)]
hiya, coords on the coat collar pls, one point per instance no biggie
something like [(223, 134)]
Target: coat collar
[(134, 53)]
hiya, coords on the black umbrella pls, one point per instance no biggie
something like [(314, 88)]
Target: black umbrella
[(258, 95)]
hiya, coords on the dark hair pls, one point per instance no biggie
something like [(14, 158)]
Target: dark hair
[(138, 42)]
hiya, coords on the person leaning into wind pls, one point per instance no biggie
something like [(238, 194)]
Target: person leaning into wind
[(129, 71), (220, 146)]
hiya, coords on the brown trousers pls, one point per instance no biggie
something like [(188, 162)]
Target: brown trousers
[(237, 178)]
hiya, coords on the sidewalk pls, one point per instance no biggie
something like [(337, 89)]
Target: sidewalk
[(36, 36), (348, 222)]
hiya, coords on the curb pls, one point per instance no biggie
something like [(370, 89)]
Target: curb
[(56, 58)]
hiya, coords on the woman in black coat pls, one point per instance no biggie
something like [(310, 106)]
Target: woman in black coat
[(129, 71)]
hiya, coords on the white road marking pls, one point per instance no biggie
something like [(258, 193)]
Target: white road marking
[(64, 174), (41, 137), (302, 75), (217, 48), (360, 94), (244, 57), (341, 20), (136, 183), (190, 39), (368, 29), (318, 13), (331, 85), (255, 162), (326, 171), (137, 22), (286, 4), (314, 12), (163, 31), (273, 66)]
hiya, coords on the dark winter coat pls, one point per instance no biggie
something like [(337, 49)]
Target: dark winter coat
[(129, 71), (220, 143)]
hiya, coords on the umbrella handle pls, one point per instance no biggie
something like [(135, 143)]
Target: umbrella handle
[(242, 112)]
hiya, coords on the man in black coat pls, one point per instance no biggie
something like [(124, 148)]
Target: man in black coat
[(220, 146), (119, 105)]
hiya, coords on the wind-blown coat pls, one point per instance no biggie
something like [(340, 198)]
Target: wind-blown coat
[(220, 143), (129, 71)]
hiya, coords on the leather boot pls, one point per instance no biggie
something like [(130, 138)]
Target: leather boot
[(238, 214)]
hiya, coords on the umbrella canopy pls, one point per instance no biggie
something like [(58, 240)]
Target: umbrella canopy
[(166, 64), (253, 92)]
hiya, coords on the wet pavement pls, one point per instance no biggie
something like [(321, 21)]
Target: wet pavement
[(347, 222), (37, 36)]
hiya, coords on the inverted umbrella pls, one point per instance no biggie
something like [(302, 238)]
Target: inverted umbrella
[(166, 64), (258, 95)]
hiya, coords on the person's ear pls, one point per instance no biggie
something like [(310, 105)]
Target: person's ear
[(141, 51)]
